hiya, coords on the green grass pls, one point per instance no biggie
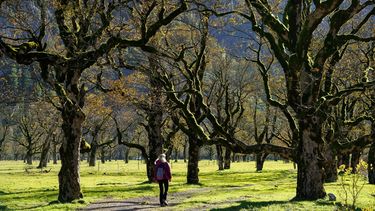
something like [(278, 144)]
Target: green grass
[(235, 189)]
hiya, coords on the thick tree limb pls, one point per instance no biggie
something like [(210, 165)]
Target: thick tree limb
[(239, 147), (270, 20), (359, 120), (128, 144), (356, 145), (335, 99), (333, 41)]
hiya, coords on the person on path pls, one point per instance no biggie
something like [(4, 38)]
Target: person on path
[(163, 176)]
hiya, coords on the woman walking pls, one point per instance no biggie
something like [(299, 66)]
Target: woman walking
[(163, 176)]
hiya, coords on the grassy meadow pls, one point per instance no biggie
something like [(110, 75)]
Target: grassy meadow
[(240, 188)]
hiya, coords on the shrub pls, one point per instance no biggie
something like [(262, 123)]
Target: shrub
[(352, 183)]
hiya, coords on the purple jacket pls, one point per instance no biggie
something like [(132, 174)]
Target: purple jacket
[(167, 170)]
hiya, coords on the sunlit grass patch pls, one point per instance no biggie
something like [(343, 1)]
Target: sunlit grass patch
[(237, 188)]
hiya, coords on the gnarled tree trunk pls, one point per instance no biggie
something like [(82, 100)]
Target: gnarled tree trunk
[(102, 155), (92, 154), (220, 158), (227, 158), (184, 151), (193, 169), (354, 161), (54, 153), (330, 165), (343, 159), (371, 164), (310, 171), (94, 144), (2, 140), (126, 154), (154, 127), (69, 178), (150, 169), (371, 153), (176, 155), (260, 158), (29, 156), (45, 153)]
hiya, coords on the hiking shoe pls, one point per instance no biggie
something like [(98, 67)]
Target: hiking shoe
[(165, 203)]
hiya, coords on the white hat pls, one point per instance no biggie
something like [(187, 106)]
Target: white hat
[(162, 158)]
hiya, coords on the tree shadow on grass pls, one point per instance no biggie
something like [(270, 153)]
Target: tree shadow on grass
[(198, 184), (252, 204), (326, 203), (2, 193), (145, 182), (110, 190)]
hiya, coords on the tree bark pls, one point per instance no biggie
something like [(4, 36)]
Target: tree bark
[(244, 158), (150, 166), (92, 155), (54, 153), (126, 154), (260, 158), (154, 124), (45, 153), (227, 158), (29, 157), (220, 158), (354, 161), (343, 159), (69, 177), (310, 172), (193, 169), (330, 165), (371, 164), (16, 155), (184, 151), (176, 155), (155, 142), (2, 140), (102, 155)]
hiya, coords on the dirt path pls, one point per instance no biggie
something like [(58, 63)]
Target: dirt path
[(144, 203), (152, 203)]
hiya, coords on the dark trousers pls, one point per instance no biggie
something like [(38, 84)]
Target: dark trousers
[(163, 186)]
